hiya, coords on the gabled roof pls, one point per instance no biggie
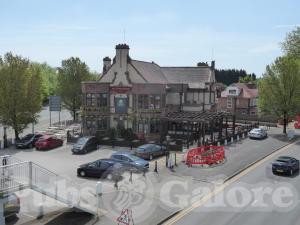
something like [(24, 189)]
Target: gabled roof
[(247, 91), (151, 72), (178, 75)]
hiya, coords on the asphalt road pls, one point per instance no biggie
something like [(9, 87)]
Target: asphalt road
[(252, 213), (43, 122)]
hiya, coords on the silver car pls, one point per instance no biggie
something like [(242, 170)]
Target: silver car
[(11, 205), (257, 133)]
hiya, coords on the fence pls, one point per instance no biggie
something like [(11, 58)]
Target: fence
[(205, 155), (17, 175)]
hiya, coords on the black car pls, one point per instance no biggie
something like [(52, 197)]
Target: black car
[(102, 168), (11, 205), (285, 165), (85, 144), (28, 141)]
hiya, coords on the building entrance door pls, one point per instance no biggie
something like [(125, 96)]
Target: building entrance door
[(121, 123)]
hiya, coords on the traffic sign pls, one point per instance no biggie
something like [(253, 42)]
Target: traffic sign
[(125, 217), (55, 103)]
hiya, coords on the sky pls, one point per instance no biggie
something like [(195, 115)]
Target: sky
[(236, 34)]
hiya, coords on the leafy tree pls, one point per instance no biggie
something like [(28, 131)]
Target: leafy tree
[(279, 88), (20, 92), (49, 80), (70, 75), (247, 79), (94, 76), (291, 45)]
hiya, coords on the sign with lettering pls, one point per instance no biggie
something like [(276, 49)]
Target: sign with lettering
[(120, 89), (121, 105), (55, 103)]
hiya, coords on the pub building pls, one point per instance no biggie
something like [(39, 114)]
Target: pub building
[(137, 94)]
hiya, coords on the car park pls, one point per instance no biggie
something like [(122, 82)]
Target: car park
[(28, 141), (150, 151), (102, 168), (285, 165), (85, 144), (48, 142), (257, 133), (129, 161), (11, 205)]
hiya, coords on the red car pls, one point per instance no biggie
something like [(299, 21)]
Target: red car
[(48, 142)]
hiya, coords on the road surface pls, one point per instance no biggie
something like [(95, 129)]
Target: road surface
[(255, 177)]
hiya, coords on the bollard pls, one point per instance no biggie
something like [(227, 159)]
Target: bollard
[(243, 136), (175, 159), (40, 211), (225, 142), (219, 144), (144, 172), (130, 178), (238, 138), (231, 140), (116, 184), (155, 168)]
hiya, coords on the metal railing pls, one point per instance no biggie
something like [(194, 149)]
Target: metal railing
[(17, 175), (8, 160)]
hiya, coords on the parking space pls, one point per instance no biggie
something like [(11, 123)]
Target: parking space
[(147, 189)]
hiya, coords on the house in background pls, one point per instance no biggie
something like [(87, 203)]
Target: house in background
[(239, 98), (136, 94)]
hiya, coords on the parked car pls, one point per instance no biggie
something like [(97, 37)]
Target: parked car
[(130, 161), (257, 133), (11, 205), (285, 165), (85, 144), (28, 141), (48, 142), (102, 168), (149, 151)]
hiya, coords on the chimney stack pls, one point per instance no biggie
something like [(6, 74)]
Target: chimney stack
[(106, 64), (212, 65)]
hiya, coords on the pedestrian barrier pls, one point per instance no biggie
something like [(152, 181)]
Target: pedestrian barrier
[(18, 175), (205, 155)]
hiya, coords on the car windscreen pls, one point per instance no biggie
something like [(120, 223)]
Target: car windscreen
[(141, 150), (282, 160), (28, 136), (133, 157), (82, 141)]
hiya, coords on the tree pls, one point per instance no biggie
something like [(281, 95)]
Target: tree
[(231, 76), (279, 88), (247, 79), (291, 45), (49, 80), (70, 76), (20, 92)]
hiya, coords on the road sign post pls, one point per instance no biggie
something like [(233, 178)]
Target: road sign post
[(54, 105)]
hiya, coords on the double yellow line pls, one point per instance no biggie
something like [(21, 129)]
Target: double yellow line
[(203, 200)]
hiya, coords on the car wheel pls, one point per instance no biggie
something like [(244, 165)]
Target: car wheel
[(109, 176), (151, 157)]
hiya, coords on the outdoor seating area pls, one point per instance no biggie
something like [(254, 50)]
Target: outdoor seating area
[(204, 128)]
